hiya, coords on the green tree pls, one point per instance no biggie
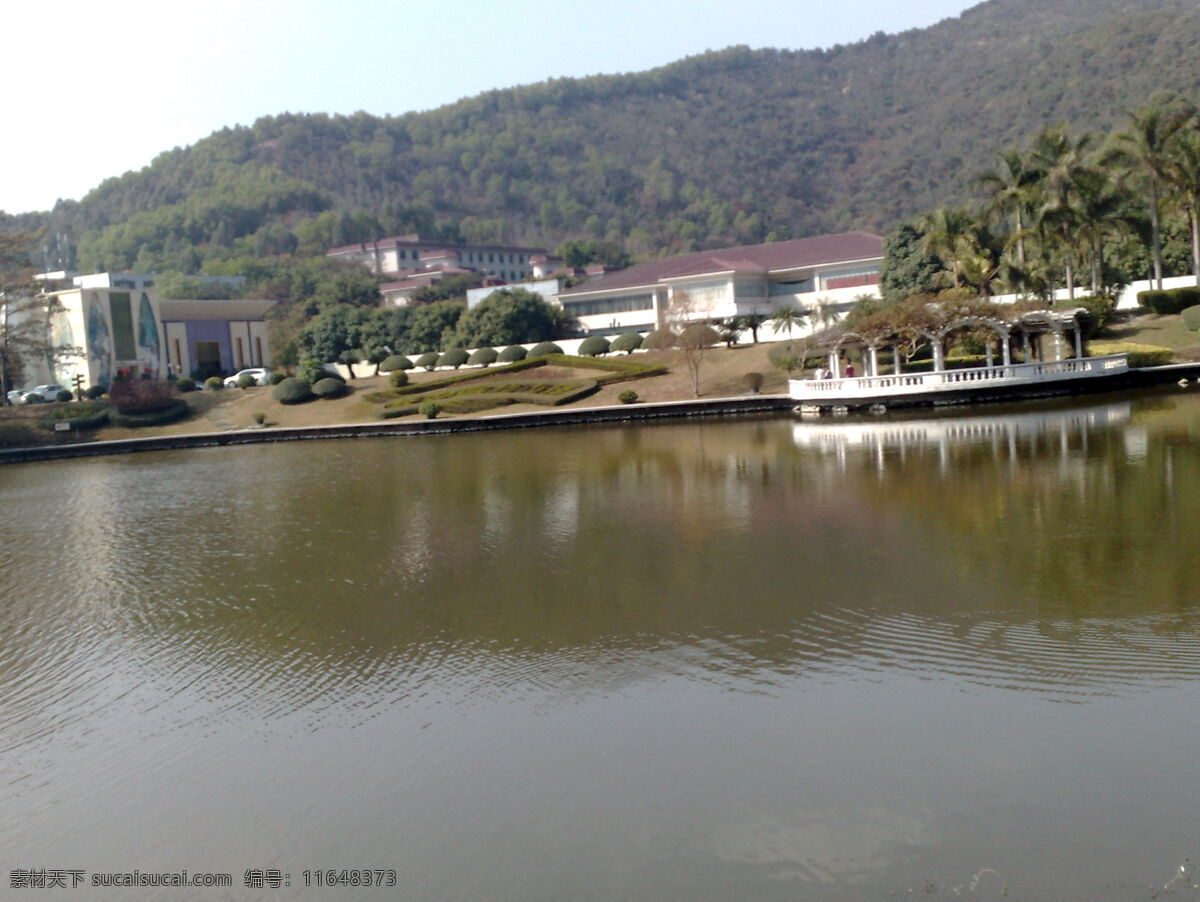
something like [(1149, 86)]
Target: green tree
[(432, 325), (333, 333), (24, 316), (1146, 149), (908, 268), (789, 318), (512, 316)]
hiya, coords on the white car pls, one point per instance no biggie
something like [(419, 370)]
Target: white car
[(45, 392), (261, 377)]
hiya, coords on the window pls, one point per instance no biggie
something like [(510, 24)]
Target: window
[(241, 359), (124, 347), (258, 354), (610, 305)]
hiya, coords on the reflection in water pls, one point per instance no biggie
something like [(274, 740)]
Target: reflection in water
[(760, 659)]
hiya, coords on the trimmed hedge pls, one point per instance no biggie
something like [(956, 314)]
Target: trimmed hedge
[(95, 392), (513, 353), (329, 388), (1191, 318), (82, 416), (483, 357), (276, 378), (185, 383), (1099, 310), (753, 381), (544, 348), (627, 342), (63, 395), (455, 357), (395, 362), (617, 370), (430, 409), (32, 398), (660, 340), (1173, 300), (594, 346), (246, 381), (212, 383), (428, 360), (628, 397), (292, 390), (1139, 355), (176, 410), (398, 378)]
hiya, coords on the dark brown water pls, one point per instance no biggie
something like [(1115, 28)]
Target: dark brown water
[(927, 658)]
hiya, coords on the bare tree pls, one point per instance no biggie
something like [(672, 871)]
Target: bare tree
[(693, 337)]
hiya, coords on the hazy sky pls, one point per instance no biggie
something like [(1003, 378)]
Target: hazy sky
[(95, 89)]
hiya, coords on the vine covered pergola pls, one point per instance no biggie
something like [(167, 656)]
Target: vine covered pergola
[(906, 327)]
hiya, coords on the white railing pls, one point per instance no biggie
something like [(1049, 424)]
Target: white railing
[(951, 380)]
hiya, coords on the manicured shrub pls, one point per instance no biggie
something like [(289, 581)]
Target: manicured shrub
[(63, 395), (33, 398), (246, 381), (627, 342), (1099, 310), (594, 346), (1191, 318), (1184, 298), (699, 335), (483, 357), (95, 392), (428, 360), (329, 388), (628, 397), (80, 416), (430, 409), (398, 378), (260, 418), (543, 348), (276, 378), (1154, 300), (753, 381), (313, 371), (1139, 355), (788, 356), (212, 383), (660, 340), (139, 396), (292, 390), (512, 354), (175, 409), (394, 363), (185, 383), (455, 357)]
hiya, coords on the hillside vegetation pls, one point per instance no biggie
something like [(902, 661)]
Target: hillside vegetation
[(723, 148)]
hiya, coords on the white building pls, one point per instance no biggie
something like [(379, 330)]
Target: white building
[(831, 269)]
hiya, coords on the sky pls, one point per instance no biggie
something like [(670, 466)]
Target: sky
[(96, 89)]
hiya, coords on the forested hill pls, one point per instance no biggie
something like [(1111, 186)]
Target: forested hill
[(728, 147)]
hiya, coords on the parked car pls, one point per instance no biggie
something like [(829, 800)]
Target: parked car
[(16, 396), (261, 376), (46, 392)]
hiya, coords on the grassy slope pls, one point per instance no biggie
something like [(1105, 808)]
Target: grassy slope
[(721, 376)]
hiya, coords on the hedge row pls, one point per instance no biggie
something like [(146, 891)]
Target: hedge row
[(1173, 300), (176, 410), (89, 416), (1139, 354)]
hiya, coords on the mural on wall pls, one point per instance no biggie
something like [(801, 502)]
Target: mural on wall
[(147, 337), (99, 346), (62, 339)]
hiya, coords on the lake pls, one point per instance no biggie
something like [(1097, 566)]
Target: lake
[(916, 656)]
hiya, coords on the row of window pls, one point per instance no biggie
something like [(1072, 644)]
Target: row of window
[(464, 256), (610, 305)]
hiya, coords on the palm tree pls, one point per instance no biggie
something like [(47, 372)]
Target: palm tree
[(1183, 170), (1061, 161), (1145, 148), (788, 318), (940, 234), (1012, 188)]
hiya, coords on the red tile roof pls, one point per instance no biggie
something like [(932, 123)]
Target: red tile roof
[(775, 257)]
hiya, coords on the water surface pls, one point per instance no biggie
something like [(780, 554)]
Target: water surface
[(769, 659)]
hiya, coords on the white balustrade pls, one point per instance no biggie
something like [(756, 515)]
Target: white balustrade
[(951, 380)]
